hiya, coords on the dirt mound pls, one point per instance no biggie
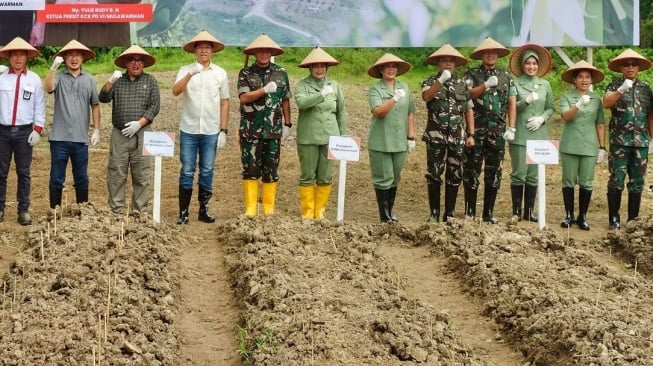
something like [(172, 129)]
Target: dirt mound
[(91, 287), (316, 292), (553, 298), (635, 243)]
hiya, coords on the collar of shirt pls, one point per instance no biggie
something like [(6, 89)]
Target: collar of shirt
[(12, 71)]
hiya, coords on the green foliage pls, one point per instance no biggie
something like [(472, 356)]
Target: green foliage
[(248, 343)]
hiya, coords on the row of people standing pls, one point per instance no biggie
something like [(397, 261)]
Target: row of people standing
[(470, 119), (135, 100)]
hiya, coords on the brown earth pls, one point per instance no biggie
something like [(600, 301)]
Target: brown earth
[(279, 290)]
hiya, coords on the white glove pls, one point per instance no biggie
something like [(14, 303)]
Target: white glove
[(95, 137), (446, 75), (627, 84), (534, 123), (56, 63), (399, 93), (131, 128), (3, 68), (327, 90), (530, 98), (411, 146), (650, 146), (583, 101), (115, 76), (491, 82), (270, 87), (509, 135), (197, 69), (222, 139), (601, 156), (33, 138), (285, 133)]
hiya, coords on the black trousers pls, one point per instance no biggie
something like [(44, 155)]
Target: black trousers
[(13, 143)]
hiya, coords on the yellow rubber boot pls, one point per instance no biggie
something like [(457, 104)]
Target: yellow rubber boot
[(307, 201), (321, 198), (268, 197), (250, 191)]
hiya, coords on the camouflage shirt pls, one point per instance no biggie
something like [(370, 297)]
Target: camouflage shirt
[(263, 118), (492, 105), (628, 123), (446, 111)]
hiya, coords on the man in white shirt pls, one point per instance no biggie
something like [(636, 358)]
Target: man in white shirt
[(203, 123), (22, 117)]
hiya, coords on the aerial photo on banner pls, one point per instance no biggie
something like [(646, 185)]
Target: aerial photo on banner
[(342, 23)]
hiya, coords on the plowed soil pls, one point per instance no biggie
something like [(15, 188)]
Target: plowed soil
[(84, 286)]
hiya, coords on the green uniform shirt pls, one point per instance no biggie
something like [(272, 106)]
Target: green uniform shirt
[(579, 135), (446, 111), (263, 118), (319, 117), (543, 106), (628, 123), (389, 133), (491, 107)]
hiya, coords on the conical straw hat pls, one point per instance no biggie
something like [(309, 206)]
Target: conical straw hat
[(489, 44), (446, 50), (643, 62), (265, 42), (318, 56), (76, 46), (543, 59), (402, 66), (597, 75), (121, 61), (203, 36), (19, 44)]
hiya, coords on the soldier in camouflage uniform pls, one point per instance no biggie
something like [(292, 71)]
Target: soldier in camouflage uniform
[(631, 102), (264, 93), (449, 128), (494, 96)]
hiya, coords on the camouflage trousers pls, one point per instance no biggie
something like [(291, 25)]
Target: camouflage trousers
[(445, 157), (489, 148), (260, 159), (627, 161)]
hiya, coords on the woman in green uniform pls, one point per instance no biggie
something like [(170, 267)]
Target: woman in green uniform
[(582, 143), (392, 131), (529, 63), (321, 105)]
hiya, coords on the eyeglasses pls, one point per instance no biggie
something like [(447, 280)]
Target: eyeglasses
[(135, 60), (629, 64)]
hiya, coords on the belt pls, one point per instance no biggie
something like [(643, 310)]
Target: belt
[(14, 129)]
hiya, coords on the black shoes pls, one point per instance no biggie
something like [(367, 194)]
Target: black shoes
[(24, 218)]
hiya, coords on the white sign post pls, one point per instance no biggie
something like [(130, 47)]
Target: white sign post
[(158, 144), (343, 148), (541, 152)]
